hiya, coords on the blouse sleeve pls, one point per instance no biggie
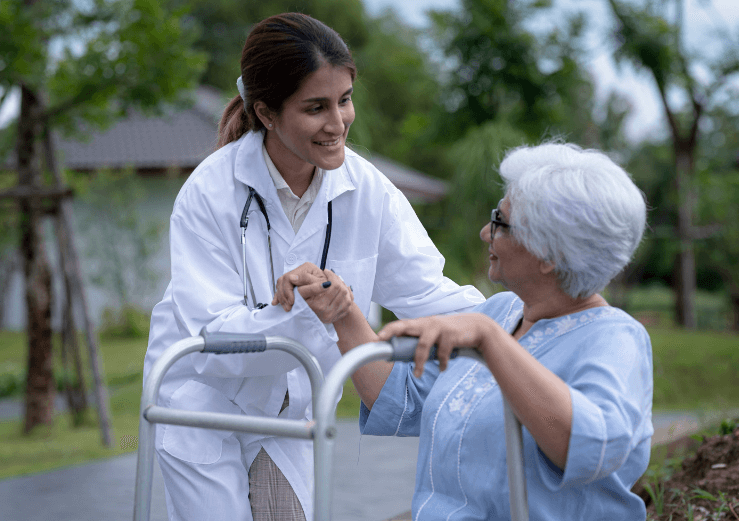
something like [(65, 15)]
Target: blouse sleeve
[(611, 392), (397, 410)]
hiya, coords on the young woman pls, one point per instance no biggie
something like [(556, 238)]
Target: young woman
[(281, 190)]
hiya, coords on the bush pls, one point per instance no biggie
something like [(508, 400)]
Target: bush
[(10, 384), (127, 322)]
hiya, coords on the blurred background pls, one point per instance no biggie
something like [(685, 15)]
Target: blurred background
[(106, 106)]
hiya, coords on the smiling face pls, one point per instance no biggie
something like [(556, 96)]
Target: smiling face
[(511, 264), (312, 127)]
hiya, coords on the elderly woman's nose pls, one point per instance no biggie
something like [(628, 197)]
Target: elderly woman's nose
[(485, 233)]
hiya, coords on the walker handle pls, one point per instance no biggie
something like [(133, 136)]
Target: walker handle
[(227, 343), (404, 348)]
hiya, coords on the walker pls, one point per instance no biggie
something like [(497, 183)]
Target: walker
[(322, 430)]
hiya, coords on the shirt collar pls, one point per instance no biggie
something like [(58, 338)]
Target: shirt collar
[(281, 184), (251, 169)]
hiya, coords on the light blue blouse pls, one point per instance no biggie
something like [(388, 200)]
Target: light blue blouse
[(603, 355)]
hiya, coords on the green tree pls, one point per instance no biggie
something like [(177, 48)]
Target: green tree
[(476, 189), (78, 65), (651, 36), (718, 173), (225, 25), (500, 70), (503, 85)]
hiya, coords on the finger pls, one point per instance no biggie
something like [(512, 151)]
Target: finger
[(287, 291), (398, 328), (311, 291), (305, 275), (423, 348)]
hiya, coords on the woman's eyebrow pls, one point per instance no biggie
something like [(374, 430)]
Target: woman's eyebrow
[(320, 100)]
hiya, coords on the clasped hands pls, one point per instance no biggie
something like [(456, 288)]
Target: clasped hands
[(334, 303), (323, 291)]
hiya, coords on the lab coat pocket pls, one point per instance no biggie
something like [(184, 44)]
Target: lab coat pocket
[(360, 275), (193, 444)]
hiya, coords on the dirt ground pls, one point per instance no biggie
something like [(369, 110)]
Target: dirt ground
[(706, 488)]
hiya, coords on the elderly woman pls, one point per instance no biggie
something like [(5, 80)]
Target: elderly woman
[(576, 371)]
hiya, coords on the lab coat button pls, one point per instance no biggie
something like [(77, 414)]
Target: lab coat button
[(291, 258)]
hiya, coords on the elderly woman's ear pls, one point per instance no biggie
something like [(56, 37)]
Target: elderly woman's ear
[(546, 267)]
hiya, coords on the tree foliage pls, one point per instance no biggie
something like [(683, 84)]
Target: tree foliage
[(224, 25), (650, 35), (501, 69), (78, 65), (95, 60)]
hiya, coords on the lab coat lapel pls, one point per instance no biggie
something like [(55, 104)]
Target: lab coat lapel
[(335, 183), (251, 170)]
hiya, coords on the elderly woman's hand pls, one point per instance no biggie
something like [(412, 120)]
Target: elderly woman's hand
[(330, 300), (447, 332), (323, 291), (303, 275)]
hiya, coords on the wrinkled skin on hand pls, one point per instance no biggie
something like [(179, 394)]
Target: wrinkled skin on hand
[(323, 291), (447, 332)]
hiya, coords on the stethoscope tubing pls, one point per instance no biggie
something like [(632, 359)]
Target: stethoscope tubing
[(244, 223)]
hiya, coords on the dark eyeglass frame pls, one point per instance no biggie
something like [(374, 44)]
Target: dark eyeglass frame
[(495, 221)]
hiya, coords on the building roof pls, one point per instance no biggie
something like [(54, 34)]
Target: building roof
[(181, 139)]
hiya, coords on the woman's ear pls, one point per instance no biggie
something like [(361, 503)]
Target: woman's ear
[(264, 114), (546, 267)]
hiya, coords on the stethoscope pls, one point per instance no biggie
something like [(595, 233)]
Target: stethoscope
[(245, 222)]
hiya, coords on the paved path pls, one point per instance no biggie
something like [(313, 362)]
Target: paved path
[(373, 478)]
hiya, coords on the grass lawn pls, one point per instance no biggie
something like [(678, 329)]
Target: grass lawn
[(692, 370)]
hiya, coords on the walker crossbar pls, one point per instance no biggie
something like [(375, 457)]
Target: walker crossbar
[(216, 343)]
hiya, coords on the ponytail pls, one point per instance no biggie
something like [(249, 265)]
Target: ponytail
[(234, 123)]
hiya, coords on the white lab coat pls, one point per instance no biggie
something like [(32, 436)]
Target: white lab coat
[(378, 246)]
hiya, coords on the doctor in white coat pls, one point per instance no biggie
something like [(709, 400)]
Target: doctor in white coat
[(281, 147)]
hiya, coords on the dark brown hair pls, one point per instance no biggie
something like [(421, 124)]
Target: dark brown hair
[(279, 53)]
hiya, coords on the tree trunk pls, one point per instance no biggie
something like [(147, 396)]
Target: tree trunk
[(74, 386), (734, 317), (685, 265), (10, 263), (75, 291), (40, 380)]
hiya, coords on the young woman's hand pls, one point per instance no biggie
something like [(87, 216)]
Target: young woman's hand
[(447, 332)]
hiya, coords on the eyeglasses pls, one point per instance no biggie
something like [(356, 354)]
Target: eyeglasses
[(495, 221)]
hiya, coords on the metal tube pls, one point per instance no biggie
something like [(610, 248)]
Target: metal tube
[(230, 422), (514, 452), (151, 413), (324, 413), (514, 457), (145, 461), (385, 351), (305, 357)]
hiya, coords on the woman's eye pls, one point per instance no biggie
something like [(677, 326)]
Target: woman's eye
[(314, 109)]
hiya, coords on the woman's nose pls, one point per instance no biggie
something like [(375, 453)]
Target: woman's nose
[(485, 233), (335, 124)]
